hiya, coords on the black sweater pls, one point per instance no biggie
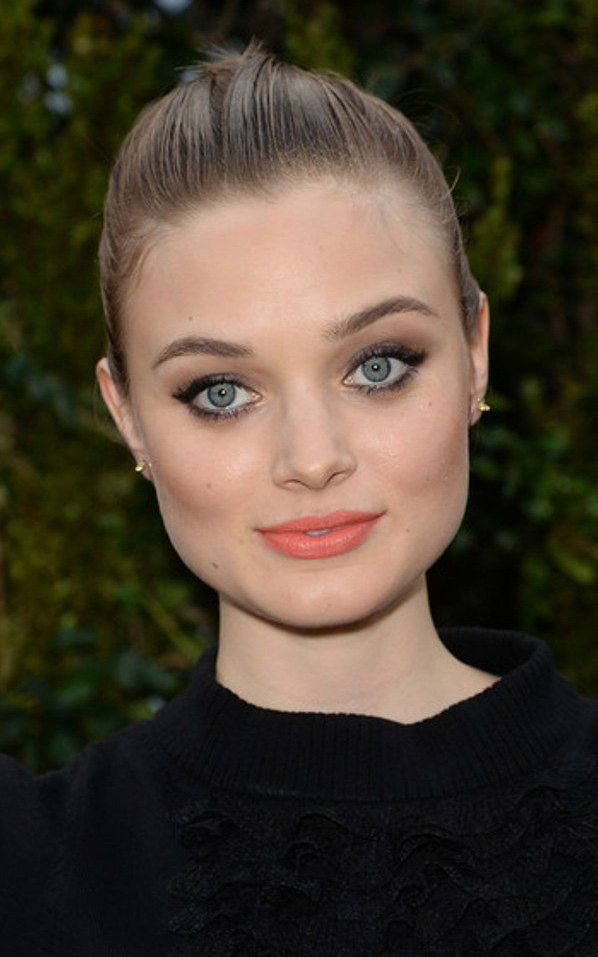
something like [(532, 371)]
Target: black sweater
[(224, 829)]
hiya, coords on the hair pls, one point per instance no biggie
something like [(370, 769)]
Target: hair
[(251, 124)]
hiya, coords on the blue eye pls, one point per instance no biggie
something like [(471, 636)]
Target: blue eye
[(386, 367), (378, 369), (389, 364), (219, 393), (222, 395)]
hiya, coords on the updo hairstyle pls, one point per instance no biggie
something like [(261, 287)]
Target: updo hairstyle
[(250, 124)]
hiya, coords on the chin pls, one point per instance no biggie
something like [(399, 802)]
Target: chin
[(335, 606)]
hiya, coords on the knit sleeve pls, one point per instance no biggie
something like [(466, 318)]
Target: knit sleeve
[(33, 813)]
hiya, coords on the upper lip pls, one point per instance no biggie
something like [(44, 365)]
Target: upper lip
[(314, 522)]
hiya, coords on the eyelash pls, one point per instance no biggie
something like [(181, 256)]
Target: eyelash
[(410, 357)]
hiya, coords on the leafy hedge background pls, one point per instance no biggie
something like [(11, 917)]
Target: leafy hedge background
[(99, 620)]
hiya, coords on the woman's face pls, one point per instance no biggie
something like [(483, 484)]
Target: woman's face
[(375, 419)]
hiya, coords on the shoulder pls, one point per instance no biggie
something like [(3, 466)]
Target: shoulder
[(43, 818), (45, 801), (33, 821), (113, 750)]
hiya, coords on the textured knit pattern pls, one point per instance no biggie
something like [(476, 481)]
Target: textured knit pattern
[(221, 829), (509, 873)]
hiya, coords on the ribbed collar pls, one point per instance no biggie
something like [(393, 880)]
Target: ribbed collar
[(514, 724)]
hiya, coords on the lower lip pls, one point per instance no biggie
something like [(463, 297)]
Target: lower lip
[(334, 542)]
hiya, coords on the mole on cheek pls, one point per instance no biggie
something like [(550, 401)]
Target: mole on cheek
[(215, 565), (208, 485)]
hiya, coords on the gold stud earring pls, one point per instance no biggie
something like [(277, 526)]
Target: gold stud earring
[(141, 465), (483, 406)]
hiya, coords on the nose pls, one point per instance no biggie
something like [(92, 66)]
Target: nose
[(311, 446)]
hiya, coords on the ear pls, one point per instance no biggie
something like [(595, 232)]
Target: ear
[(478, 359), (121, 411)]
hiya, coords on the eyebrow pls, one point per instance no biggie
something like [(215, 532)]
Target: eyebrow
[(337, 330)]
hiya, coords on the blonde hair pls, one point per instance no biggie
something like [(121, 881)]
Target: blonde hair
[(250, 123)]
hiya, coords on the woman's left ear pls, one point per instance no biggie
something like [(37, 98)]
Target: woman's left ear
[(478, 359)]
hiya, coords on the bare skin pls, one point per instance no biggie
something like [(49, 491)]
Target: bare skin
[(350, 633)]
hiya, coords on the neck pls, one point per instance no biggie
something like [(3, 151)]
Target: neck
[(392, 665)]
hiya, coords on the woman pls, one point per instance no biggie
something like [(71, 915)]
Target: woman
[(296, 353)]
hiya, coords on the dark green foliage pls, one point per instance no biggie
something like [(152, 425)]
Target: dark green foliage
[(99, 620)]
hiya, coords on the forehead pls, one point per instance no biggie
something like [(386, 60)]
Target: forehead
[(304, 255)]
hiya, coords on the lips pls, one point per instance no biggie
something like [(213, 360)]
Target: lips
[(338, 532), (316, 522)]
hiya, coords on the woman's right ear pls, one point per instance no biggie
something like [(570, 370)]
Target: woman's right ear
[(120, 409)]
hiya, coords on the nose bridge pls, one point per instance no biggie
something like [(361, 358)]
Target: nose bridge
[(311, 444)]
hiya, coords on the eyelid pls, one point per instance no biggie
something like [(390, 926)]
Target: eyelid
[(236, 378), (407, 354), (411, 357), (200, 383)]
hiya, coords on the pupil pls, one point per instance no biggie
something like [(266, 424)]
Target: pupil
[(377, 369), (221, 395)]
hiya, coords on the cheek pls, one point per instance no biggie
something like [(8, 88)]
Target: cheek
[(198, 484), (428, 455), (445, 448)]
